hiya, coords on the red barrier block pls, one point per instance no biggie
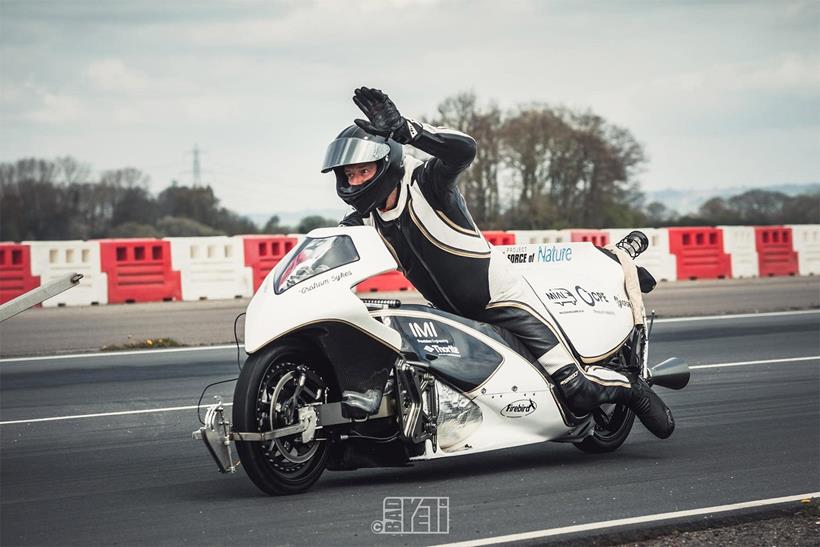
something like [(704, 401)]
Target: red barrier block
[(386, 282), (699, 252), (775, 251), (262, 253), (139, 270), (15, 271), (599, 238), (499, 238)]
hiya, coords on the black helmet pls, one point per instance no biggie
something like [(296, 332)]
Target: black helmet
[(355, 145)]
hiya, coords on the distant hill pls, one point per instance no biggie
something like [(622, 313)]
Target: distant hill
[(689, 201)]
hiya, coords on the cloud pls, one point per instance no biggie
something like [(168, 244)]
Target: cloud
[(726, 98), (57, 109), (114, 75)]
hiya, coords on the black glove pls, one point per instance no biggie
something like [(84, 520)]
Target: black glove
[(384, 117)]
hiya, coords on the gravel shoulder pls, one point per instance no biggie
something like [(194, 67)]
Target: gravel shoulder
[(797, 524)]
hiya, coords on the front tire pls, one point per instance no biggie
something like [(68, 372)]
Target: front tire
[(613, 423), (267, 397)]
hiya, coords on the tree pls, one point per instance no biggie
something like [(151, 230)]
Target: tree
[(759, 207), (195, 202), (716, 211), (480, 182), (534, 141), (133, 229), (73, 171), (134, 204), (571, 169), (30, 201), (312, 222), (199, 203), (803, 209), (658, 214), (185, 227), (272, 226)]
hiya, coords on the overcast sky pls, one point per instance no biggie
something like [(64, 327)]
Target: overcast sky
[(720, 94)]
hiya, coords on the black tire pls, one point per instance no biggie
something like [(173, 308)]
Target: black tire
[(265, 462), (613, 424)]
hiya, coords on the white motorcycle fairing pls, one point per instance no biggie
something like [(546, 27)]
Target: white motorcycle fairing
[(514, 404), (583, 290), (517, 403), (318, 298)]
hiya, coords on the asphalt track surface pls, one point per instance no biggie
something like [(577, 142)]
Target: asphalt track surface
[(60, 330), (745, 432)]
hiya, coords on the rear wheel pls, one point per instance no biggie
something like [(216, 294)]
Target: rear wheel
[(613, 423), (274, 384)]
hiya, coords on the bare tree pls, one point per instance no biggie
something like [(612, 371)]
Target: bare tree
[(480, 182), (73, 171), (571, 168)]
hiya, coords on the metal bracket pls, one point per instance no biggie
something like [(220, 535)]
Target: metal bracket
[(217, 433), (217, 437), (36, 296)]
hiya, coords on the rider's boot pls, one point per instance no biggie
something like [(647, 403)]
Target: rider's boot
[(586, 391)]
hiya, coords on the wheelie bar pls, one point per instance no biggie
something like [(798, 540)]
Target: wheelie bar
[(218, 435)]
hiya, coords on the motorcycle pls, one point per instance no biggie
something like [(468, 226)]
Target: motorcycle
[(333, 381)]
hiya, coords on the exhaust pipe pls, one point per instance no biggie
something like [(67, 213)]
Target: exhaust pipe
[(672, 373)]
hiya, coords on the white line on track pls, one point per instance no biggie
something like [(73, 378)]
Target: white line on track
[(763, 362), (735, 316), (174, 408), (233, 346), (104, 414), (118, 353), (551, 532)]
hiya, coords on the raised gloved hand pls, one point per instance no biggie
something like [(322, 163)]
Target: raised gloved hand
[(383, 117)]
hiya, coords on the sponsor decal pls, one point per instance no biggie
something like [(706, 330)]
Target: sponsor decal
[(553, 253), (590, 297), (425, 330), (314, 285), (519, 255), (519, 408), (569, 378), (443, 349), (520, 258), (621, 302), (561, 297), (336, 276)]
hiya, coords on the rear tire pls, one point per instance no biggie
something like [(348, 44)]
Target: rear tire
[(285, 465), (613, 423)]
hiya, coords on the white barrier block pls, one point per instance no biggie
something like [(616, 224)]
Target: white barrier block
[(530, 237), (739, 243), (211, 268), (662, 264), (55, 259), (806, 241)]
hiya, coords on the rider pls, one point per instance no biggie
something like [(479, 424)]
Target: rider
[(420, 214)]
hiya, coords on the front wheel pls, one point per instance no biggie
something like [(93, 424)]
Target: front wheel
[(273, 385), (613, 423)]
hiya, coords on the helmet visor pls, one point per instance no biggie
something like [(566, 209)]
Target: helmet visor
[(349, 151)]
